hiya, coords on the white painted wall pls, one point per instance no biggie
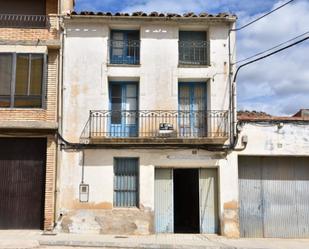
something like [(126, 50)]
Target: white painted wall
[(86, 69), (99, 172), (86, 76), (267, 139)]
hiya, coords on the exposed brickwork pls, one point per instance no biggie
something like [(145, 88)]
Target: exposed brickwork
[(51, 6), (25, 34), (52, 86), (21, 36), (50, 183)]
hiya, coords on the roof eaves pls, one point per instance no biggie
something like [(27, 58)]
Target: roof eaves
[(141, 14)]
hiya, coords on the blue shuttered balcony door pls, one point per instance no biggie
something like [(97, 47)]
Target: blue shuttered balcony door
[(192, 110), (123, 105)]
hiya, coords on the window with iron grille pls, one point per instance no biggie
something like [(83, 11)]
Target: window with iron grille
[(126, 181), (193, 48), (125, 47), (21, 80)]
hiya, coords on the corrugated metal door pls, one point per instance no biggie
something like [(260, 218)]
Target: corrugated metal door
[(22, 183), (164, 216), (250, 190), (274, 197), (208, 188)]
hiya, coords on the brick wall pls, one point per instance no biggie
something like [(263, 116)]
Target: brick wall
[(49, 110), (51, 7), (52, 86), (49, 113), (27, 34), (50, 183)]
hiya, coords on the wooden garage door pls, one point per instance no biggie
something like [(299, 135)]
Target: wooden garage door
[(22, 183), (274, 197)]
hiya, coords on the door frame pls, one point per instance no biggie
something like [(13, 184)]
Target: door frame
[(217, 184), (123, 125), (192, 119)]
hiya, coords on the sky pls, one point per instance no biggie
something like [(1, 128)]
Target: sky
[(278, 85)]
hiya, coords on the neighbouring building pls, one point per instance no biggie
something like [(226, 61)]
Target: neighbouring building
[(274, 175), (29, 67), (146, 121)]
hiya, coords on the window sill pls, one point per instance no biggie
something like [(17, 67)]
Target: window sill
[(126, 208), (193, 66), (21, 109), (123, 65)]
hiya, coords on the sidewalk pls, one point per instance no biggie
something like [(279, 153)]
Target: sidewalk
[(33, 239)]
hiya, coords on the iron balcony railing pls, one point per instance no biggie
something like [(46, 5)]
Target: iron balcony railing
[(157, 124), (23, 21), (124, 51), (193, 52)]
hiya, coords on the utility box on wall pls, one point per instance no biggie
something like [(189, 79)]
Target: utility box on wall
[(83, 192)]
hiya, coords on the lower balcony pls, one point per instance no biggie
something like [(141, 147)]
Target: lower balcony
[(156, 127)]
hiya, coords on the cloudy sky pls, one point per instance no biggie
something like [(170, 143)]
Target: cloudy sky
[(278, 85)]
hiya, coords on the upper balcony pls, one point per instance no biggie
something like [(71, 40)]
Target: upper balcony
[(150, 127), (24, 21), (41, 16)]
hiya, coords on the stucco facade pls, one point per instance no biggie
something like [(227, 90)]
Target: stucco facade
[(276, 138), (87, 74)]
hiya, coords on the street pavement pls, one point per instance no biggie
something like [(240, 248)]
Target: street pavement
[(10, 239)]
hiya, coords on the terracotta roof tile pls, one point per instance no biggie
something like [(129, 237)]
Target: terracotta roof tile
[(255, 116), (154, 14)]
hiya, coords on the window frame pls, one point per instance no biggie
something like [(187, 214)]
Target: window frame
[(182, 63), (137, 190), (126, 59), (13, 79)]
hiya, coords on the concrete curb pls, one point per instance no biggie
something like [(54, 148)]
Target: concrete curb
[(128, 245), (19, 244)]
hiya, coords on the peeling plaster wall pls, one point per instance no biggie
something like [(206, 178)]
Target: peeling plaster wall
[(86, 76), (263, 140), (86, 69), (291, 140), (78, 217)]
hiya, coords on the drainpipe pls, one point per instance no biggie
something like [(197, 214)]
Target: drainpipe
[(60, 119), (233, 90)]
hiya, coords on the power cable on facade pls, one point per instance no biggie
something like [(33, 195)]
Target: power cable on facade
[(268, 55), (261, 17), (233, 144), (277, 46)]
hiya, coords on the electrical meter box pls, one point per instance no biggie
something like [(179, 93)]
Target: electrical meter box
[(83, 192)]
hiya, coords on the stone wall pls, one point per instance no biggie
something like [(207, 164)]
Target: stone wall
[(114, 221)]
